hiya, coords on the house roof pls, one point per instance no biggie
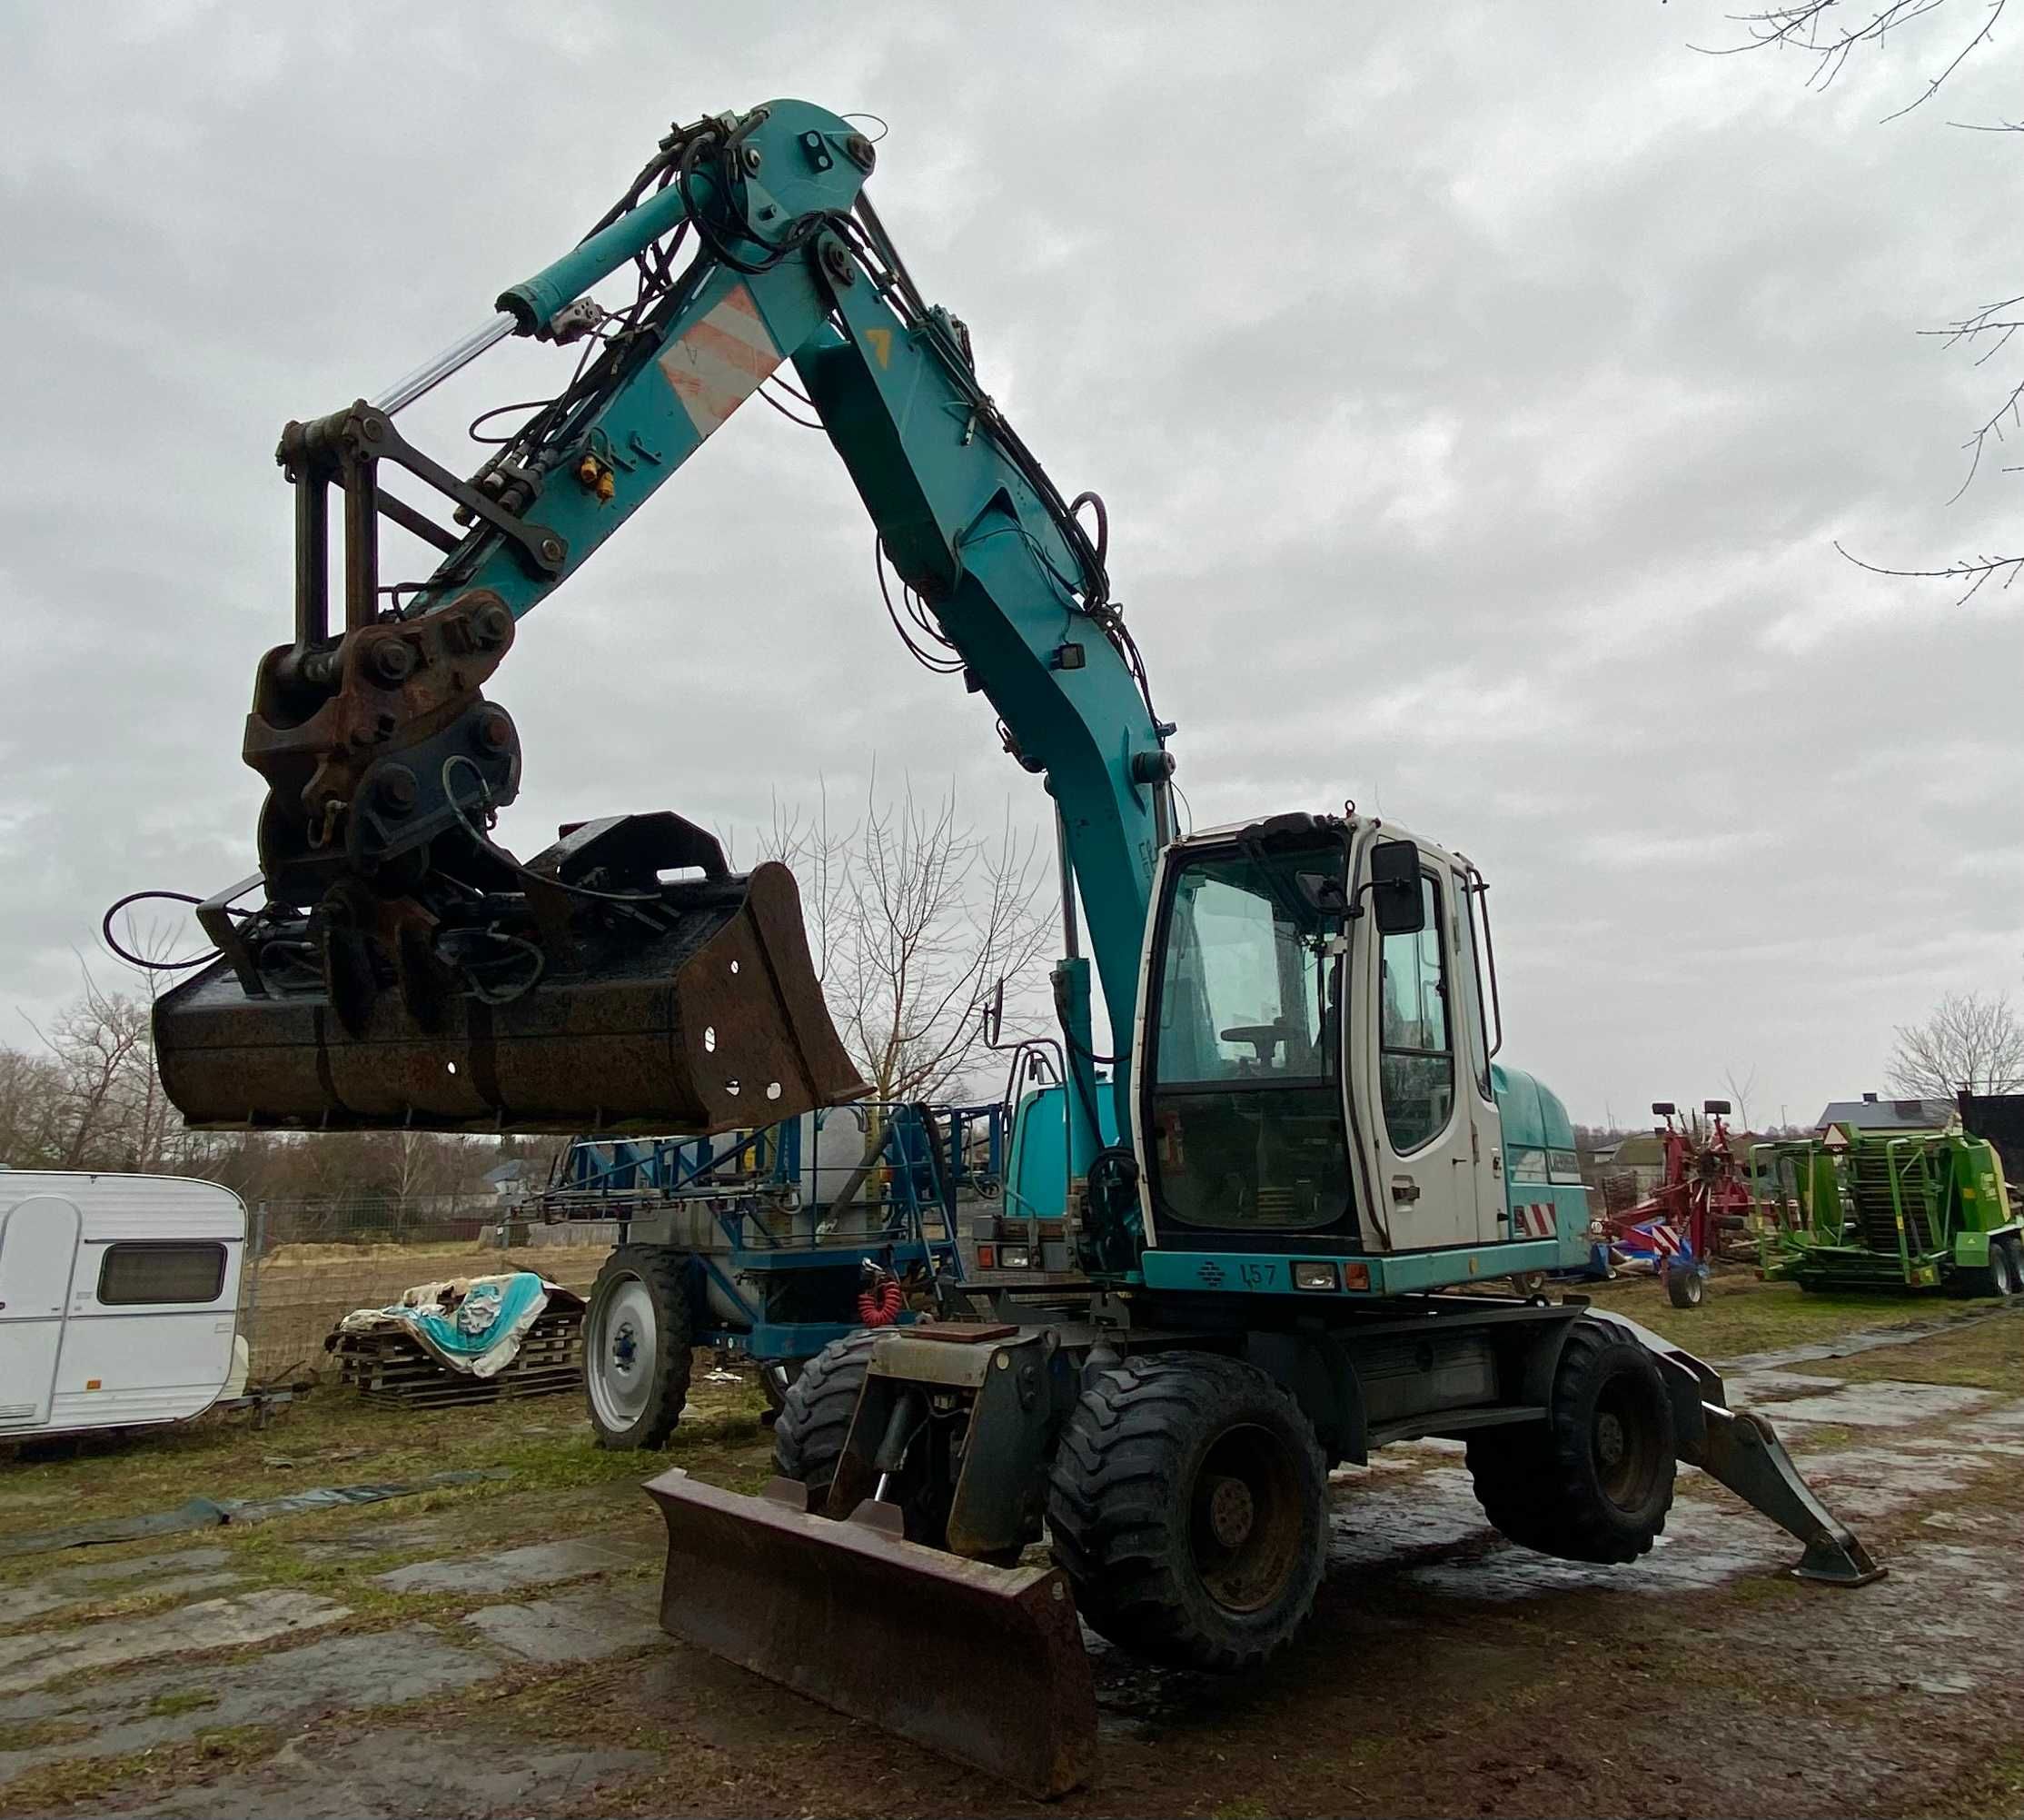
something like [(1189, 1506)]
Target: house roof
[(1887, 1115), (510, 1170)]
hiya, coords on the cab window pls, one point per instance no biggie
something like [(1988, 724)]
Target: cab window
[(1415, 1059), (1245, 1100)]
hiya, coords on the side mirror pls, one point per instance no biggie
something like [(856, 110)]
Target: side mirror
[(994, 1016), (1397, 900), (1719, 1108), (1663, 1108)]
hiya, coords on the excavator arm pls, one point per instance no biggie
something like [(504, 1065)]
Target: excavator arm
[(404, 969)]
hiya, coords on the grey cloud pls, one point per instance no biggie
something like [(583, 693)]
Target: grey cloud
[(1477, 394)]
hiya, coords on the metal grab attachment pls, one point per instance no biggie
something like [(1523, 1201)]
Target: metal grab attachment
[(580, 992), (984, 1665)]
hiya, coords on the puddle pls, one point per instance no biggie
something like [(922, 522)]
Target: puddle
[(28, 1661), (1372, 1525), (403, 1772), (583, 1626), (1701, 1547), (542, 1563)]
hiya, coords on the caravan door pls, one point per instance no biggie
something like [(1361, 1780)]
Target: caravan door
[(38, 1254)]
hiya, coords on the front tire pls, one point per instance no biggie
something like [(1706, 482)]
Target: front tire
[(1187, 1504), (1594, 1481), (636, 1347)]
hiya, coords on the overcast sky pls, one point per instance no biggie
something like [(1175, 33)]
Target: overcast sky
[(1477, 391)]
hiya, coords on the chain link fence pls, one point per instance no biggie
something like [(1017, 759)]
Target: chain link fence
[(311, 1261)]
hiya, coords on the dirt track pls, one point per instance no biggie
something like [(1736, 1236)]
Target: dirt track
[(491, 1649)]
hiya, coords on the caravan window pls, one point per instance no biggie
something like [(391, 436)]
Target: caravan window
[(139, 1272)]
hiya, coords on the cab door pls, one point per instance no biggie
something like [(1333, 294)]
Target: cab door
[(1418, 1095), (38, 1253)]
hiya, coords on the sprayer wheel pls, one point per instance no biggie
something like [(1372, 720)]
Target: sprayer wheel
[(1187, 1504), (636, 1347), (1594, 1481)]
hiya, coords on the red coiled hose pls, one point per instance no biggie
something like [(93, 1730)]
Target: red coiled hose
[(880, 1305)]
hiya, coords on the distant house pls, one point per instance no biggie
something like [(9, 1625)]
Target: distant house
[(509, 1180), (1871, 1114)]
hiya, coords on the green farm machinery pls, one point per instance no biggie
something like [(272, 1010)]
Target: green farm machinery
[(1897, 1210)]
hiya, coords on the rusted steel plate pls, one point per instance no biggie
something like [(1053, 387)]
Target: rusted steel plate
[(983, 1665), (717, 1023)]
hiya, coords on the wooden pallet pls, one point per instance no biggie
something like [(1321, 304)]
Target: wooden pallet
[(392, 1369)]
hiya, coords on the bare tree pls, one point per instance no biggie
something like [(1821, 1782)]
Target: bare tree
[(1969, 1041), (912, 917), (1828, 33), (99, 1044), (1739, 1094)]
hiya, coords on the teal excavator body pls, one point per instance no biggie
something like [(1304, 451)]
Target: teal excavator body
[(1323, 1172)]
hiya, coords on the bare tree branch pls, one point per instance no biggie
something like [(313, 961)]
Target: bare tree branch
[(1967, 1041), (1975, 571)]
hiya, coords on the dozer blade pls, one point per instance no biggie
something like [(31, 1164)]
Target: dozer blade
[(701, 1014), (982, 1664)]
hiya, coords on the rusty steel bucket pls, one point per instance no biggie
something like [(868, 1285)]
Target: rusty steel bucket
[(984, 1665), (707, 1017)]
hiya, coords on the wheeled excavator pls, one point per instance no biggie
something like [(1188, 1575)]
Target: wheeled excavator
[(1324, 1164)]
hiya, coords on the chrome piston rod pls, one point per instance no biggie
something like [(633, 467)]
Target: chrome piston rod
[(455, 358)]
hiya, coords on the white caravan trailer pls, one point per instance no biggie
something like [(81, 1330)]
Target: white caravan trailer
[(119, 1299)]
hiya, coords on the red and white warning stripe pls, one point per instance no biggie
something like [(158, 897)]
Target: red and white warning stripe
[(718, 362), (1665, 1242), (1536, 1219)]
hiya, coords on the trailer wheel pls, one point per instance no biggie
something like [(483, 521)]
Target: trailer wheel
[(1686, 1287), (1594, 1481), (1187, 1504), (636, 1347)]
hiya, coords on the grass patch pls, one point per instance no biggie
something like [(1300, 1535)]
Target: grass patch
[(73, 1781), (175, 1700), (1742, 1315), (1989, 1355)]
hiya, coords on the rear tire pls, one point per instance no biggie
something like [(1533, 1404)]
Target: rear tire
[(1187, 1504), (1594, 1481), (1686, 1288), (636, 1347)]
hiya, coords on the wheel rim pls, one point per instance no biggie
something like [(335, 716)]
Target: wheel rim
[(619, 1353), (1622, 1443), (1245, 1519)]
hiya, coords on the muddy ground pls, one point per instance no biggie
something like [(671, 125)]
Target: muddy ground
[(490, 1646)]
